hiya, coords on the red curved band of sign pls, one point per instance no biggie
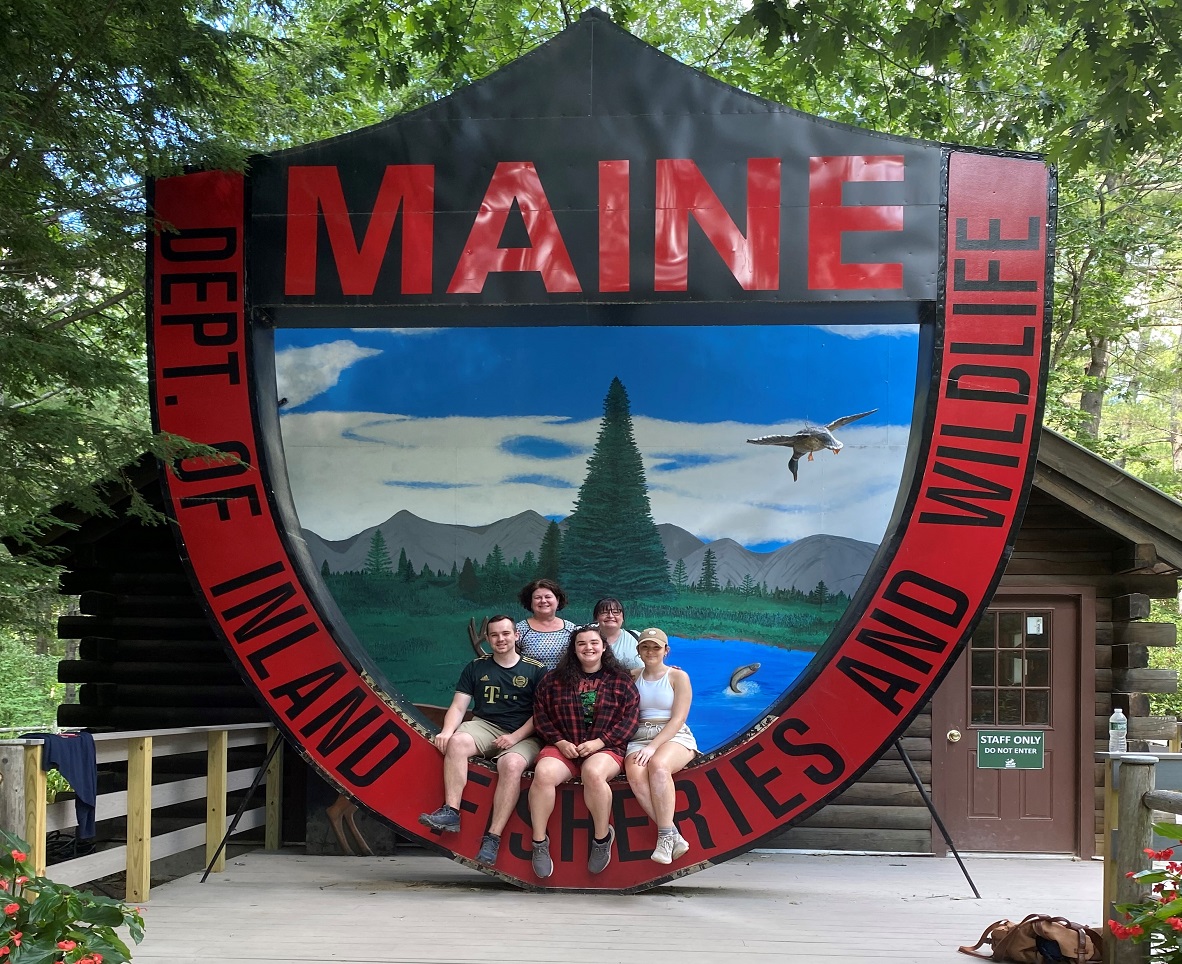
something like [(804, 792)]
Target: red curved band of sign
[(975, 468)]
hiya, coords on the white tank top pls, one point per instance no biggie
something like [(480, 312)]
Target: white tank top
[(656, 697)]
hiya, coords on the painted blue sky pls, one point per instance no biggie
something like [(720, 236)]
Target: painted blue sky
[(467, 426)]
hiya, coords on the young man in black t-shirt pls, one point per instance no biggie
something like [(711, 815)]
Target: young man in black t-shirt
[(500, 689)]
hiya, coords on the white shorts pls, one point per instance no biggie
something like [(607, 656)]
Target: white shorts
[(648, 731)]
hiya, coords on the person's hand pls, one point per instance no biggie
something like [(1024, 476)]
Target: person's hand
[(644, 756), (567, 749), (504, 741), (441, 742), (591, 746)]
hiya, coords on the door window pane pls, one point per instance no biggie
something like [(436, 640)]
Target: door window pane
[(1010, 669)]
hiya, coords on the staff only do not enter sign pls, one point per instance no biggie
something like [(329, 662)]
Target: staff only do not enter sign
[(401, 339)]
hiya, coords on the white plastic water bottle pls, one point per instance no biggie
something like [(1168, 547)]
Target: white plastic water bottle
[(1118, 731)]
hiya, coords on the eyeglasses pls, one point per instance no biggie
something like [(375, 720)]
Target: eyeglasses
[(588, 626), (610, 612)]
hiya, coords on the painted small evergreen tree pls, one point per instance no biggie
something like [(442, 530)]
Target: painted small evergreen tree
[(612, 546), (708, 580), (550, 553), (377, 559)]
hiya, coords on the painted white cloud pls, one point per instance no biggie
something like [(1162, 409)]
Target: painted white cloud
[(303, 373), (867, 331), (351, 470)]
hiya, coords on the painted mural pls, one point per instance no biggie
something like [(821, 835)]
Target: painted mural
[(436, 471)]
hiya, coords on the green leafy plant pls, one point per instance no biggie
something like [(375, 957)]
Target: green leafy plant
[(1157, 918), (44, 922), (55, 783)]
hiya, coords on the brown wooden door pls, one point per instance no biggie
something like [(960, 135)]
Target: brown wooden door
[(1020, 671)]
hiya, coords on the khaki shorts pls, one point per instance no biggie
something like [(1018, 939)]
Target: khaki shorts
[(484, 733), (647, 732)]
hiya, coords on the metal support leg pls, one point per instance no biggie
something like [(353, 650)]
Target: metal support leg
[(935, 816)]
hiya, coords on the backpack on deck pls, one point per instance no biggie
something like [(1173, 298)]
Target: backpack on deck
[(1039, 939)]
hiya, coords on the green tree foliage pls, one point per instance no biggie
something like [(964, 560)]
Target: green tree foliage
[(550, 553), (612, 544), (708, 578), (30, 693), (680, 575), (377, 559)]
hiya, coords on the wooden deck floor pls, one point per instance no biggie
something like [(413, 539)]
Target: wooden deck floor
[(779, 908)]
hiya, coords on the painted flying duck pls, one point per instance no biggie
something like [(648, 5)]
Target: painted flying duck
[(810, 439)]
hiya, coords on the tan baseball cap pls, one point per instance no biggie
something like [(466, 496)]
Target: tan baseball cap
[(657, 635)]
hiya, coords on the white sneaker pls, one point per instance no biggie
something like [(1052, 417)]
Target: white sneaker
[(664, 852), (680, 846)]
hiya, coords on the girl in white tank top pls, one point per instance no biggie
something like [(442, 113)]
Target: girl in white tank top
[(663, 744)]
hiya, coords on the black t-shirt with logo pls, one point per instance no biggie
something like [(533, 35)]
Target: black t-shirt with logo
[(502, 696)]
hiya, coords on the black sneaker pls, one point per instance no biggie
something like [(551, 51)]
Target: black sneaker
[(490, 846), (445, 818)]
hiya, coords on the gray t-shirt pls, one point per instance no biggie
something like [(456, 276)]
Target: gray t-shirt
[(625, 649)]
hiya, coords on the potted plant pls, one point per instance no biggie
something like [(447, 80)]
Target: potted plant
[(44, 922)]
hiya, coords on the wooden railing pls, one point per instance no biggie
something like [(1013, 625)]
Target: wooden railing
[(24, 810), (1131, 798)]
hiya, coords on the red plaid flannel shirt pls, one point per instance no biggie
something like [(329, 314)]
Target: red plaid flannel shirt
[(558, 712)]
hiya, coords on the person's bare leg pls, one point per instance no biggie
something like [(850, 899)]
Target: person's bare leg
[(510, 766), (638, 781), (548, 774), (668, 759), (460, 749), (599, 768)]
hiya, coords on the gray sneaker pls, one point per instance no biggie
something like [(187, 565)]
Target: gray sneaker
[(445, 818), (663, 853), (542, 864), (490, 846), (601, 853), (680, 846)]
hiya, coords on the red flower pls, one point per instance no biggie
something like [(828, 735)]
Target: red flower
[(1175, 922), (1121, 932), (67, 945), (11, 908), (22, 879), (19, 857), (1131, 873), (16, 938), (5, 950), (3, 884)]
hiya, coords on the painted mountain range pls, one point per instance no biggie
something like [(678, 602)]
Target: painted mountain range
[(838, 561)]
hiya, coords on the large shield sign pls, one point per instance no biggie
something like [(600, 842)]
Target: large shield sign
[(531, 329)]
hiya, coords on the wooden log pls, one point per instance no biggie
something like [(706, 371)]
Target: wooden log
[(134, 627), (1153, 586), (1145, 634), (920, 726), (171, 580), (1133, 605), (1140, 728), (1144, 680), (1135, 557), (119, 694), (870, 818), (1104, 632), (1127, 656), (881, 795), (893, 771), (108, 650), (192, 674), (844, 838), (1104, 657), (94, 603), (1133, 704), (108, 718)]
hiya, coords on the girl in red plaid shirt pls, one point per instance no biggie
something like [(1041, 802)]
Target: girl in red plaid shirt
[(586, 710)]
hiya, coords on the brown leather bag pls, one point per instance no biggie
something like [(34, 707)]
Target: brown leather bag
[(1039, 939)]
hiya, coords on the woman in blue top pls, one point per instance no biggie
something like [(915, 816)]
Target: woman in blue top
[(544, 634)]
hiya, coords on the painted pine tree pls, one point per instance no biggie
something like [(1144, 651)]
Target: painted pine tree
[(611, 545), (550, 553), (377, 559)]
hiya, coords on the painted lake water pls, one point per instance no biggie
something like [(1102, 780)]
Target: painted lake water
[(717, 714)]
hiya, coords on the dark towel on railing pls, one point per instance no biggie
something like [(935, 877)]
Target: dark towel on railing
[(72, 754)]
